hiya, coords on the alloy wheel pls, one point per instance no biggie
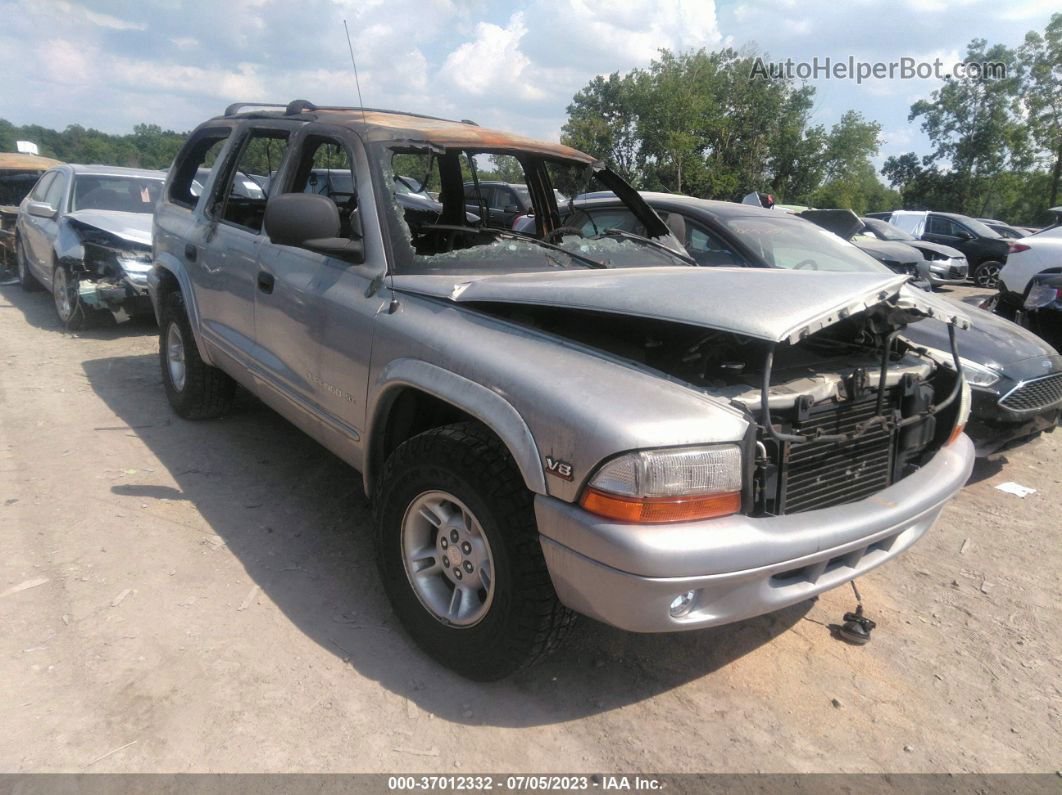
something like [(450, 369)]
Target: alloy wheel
[(447, 559)]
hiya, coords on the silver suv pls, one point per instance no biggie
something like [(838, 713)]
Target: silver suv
[(554, 422)]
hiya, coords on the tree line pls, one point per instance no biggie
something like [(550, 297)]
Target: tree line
[(698, 123)]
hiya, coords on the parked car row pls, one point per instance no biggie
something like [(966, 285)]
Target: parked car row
[(661, 412)]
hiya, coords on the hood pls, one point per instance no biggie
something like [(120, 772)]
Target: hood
[(889, 250), (936, 248), (133, 227), (991, 341), (843, 223), (767, 304)]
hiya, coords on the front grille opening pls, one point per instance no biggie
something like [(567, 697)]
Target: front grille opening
[(1035, 395)]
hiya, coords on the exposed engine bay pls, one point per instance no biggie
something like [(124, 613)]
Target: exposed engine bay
[(839, 415), (109, 270)]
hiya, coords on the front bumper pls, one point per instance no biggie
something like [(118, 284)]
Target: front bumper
[(952, 271), (129, 294), (994, 429), (737, 566)]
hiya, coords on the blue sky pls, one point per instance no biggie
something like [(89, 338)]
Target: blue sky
[(111, 64)]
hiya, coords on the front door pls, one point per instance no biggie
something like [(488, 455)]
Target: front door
[(314, 313)]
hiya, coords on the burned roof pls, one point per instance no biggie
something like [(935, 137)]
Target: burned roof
[(20, 161), (399, 126)]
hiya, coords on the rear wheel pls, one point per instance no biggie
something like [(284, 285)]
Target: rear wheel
[(459, 554), (27, 281), (196, 390), (987, 274)]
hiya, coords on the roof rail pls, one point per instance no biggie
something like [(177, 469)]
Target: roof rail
[(297, 106), (236, 107)]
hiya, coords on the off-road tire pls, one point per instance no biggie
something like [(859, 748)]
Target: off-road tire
[(525, 619), (26, 280), (208, 392)]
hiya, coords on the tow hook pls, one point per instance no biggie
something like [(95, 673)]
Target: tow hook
[(856, 627)]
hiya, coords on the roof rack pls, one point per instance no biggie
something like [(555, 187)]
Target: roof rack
[(298, 106)]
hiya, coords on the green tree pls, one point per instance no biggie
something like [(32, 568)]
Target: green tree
[(1041, 60), (972, 127)]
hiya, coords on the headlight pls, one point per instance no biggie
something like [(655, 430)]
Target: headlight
[(131, 265), (977, 374), (671, 485)]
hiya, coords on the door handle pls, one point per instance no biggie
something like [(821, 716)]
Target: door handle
[(190, 252), (265, 282)]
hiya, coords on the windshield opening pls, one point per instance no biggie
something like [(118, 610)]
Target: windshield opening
[(801, 245), (499, 212), (126, 194)]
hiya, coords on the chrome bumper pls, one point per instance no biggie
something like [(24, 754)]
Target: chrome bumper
[(736, 566)]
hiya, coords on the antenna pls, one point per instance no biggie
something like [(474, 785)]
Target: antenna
[(353, 63)]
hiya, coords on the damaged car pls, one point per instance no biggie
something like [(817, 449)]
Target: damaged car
[(19, 172), (84, 234), (566, 421)]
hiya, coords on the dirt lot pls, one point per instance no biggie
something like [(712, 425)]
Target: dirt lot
[(202, 597)]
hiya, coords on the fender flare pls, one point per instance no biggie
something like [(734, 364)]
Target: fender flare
[(175, 268), (485, 405)]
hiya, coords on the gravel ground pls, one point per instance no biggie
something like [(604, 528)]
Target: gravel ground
[(182, 597)]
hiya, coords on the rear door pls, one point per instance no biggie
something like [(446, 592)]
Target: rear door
[(227, 261)]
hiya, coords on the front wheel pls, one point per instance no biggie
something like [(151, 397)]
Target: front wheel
[(459, 555), (69, 307), (987, 274), (196, 390)]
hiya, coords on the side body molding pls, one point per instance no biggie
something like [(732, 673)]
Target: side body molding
[(489, 407)]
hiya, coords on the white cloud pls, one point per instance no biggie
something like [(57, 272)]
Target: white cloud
[(490, 61), (96, 18)]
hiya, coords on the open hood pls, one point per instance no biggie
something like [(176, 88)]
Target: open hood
[(133, 227), (843, 223), (768, 304)]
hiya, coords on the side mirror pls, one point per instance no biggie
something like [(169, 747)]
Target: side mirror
[(965, 235), (310, 221), (40, 209)]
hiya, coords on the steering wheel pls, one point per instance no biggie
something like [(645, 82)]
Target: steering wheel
[(808, 263), (561, 231)]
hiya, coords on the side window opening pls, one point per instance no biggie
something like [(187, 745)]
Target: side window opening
[(326, 167), (243, 194), (195, 166), (54, 194), (41, 188)]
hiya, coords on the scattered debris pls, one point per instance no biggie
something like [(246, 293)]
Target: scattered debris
[(908, 748), (24, 586), (433, 751), (965, 543), (1018, 490), (66, 619), (109, 753), (250, 598), (121, 597), (985, 585), (836, 702)]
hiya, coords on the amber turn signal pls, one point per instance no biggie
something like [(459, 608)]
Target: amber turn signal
[(956, 433), (658, 510)]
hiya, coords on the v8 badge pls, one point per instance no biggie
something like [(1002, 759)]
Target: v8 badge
[(558, 468)]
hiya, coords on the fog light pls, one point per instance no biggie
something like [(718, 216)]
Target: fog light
[(681, 604)]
